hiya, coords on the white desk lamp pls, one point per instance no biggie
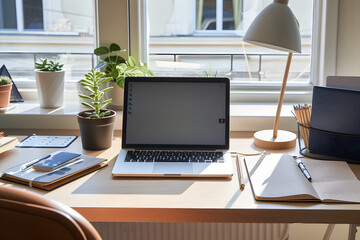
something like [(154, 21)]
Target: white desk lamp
[(277, 28)]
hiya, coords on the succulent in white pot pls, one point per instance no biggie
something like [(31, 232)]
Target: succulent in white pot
[(50, 83)]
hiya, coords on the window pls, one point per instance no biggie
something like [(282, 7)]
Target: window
[(61, 30), (197, 37)]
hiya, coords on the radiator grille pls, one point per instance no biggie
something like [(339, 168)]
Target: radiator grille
[(192, 231)]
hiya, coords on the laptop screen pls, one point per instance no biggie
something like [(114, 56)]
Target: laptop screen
[(176, 113)]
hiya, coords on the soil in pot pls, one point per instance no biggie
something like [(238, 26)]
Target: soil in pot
[(96, 133)]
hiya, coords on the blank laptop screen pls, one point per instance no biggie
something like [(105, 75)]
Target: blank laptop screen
[(174, 112)]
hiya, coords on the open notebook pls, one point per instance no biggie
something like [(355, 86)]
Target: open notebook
[(276, 177)]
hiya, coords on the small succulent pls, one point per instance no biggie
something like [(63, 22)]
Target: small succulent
[(92, 84), (208, 74), (4, 80), (48, 66)]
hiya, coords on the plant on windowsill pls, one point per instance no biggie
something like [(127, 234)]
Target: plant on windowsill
[(118, 69), (97, 124), (50, 83), (5, 91)]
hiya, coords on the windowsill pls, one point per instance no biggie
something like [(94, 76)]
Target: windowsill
[(244, 117)]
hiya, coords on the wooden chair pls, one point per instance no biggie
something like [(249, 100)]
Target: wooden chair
[(26, 215)]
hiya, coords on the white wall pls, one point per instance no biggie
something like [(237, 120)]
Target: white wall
[(348, 51)]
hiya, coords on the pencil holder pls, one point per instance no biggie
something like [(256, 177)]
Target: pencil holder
[(326, 145)]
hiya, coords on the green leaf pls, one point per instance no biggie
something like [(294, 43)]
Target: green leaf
[(101, 51), (107, 89), (114, 47), (89, 89), (105, 80), (131, 61), (84, 96), (88, 105), (104, 104)]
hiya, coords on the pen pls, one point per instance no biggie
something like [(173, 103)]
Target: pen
[(303, 169), (27, 165)]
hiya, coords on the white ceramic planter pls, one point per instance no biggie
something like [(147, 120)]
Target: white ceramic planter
[(117, 95), (50, 88)]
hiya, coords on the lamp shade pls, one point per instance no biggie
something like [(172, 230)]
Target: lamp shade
[(275, 27)]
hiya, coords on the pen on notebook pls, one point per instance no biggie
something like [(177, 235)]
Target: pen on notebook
[(241, 176), (26, 166), (303, 169)]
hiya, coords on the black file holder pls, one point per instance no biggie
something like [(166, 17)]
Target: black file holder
[(334, 140)]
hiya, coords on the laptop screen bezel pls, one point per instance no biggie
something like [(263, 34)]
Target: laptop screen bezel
[(176, 146)]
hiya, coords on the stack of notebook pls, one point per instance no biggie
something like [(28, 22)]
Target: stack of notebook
[(53, 170)]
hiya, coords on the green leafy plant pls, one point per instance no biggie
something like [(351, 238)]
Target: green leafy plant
[(4, 80), (48, 66), (208, 74), (110, 58), (131, 68), (117, 67), (92, 84)]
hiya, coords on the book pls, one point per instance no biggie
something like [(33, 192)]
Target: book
[(276, 177), (25, 174), (8, 143), (54, 160)]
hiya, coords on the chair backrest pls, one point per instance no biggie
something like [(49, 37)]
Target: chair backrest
[(26, 215)]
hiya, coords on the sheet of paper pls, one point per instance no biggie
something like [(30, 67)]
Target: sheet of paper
[(276, 177), (333, 180)]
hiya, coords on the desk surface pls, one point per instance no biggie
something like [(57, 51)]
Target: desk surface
[(100, 197)]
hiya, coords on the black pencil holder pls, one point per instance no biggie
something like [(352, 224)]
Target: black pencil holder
[(339, 146)]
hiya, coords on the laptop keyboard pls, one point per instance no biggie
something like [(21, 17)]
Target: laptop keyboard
[(174, 156)]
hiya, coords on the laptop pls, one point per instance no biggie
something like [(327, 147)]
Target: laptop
[(175, 127)]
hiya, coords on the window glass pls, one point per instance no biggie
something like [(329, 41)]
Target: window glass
[(197, 37), (33, 14), (7, 14), (61, 30)]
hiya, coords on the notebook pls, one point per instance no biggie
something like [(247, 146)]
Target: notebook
[(175, 127), (25, 174), (276, 177)]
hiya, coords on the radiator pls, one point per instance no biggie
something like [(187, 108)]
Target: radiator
[(192, 231)]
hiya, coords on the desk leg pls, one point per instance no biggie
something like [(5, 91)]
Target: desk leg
[(329, 231), (352, 231)]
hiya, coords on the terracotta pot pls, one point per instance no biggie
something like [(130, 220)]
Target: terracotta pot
[(5, 92), (96, 133), (50, 88)]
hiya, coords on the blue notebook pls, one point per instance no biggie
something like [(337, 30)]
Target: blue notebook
[(335, 123)]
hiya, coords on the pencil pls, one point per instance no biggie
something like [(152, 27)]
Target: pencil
[(240, 174)]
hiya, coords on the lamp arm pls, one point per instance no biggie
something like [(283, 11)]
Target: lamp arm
[(281, 98)]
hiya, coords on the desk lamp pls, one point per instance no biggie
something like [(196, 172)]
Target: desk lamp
[(276, 27)]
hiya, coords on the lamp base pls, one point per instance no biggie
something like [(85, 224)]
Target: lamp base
[(284, 140)]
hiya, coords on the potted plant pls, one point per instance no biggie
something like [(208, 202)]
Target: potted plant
[(5, 91), (50, 83), (97, 124), (118, 69)]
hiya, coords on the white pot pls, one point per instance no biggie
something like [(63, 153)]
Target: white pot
[(117, 95), (50, 88)]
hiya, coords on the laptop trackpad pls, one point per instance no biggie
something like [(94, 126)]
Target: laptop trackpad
[(173, 168)]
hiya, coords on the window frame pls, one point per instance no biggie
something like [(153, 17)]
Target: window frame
[(323, 60)]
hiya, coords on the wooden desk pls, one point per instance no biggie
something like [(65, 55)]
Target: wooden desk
[(100, 197)]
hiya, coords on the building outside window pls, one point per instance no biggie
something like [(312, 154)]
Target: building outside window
[(212, 30), (188, 38)]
